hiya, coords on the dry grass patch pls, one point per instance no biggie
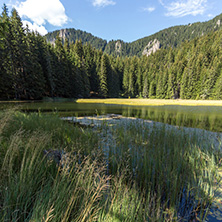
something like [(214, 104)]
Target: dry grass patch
[(153, 102)]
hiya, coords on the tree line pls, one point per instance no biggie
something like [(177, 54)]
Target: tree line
[(31, 68), (73, 35), (169, 37)]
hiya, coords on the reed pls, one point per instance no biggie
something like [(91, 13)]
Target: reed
[(33, 187), (176, 167), (129, 172)]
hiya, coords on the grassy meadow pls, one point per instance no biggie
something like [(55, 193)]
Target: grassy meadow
[(138, 174), (153, 102)]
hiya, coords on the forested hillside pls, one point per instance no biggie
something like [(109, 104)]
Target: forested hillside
[(170, 37), (73, 35), (31, 68)]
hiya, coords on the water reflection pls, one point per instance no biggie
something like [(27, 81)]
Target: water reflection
[(209, 118)]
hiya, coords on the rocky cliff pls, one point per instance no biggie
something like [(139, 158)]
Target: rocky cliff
[(118, 47), (169, 37), (152, 47)]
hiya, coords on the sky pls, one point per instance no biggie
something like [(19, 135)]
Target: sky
[(127, 20)]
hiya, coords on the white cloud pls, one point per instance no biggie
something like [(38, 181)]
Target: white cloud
[(149, 9), (180, 8), (102, 3), (210, 15), (42, 11), (34, 27)]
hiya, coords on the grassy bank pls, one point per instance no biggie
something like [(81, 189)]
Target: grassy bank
[(133, 102), (153, 102), (126, 173)]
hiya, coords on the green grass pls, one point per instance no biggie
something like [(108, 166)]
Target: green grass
[(153, 102), (147, 174), (167, 162)]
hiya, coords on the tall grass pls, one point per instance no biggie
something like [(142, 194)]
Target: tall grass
[(32, 187), (135, 174), (175, 166)]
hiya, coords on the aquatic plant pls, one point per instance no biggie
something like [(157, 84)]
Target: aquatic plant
[(128, 172)]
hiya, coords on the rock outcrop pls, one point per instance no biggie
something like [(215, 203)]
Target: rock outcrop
[(218, 23), (152, 47), (118, 47), (63, 34)]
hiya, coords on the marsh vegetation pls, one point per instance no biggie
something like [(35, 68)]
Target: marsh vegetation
[(52, 170), (147, 175), (196, 114)]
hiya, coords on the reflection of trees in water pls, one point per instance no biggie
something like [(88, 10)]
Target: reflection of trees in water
[(187, 119), (208, 118)]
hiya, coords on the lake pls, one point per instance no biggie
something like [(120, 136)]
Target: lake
[(203, 117)]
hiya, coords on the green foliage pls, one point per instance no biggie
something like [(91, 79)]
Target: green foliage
[(146, 88), (32, 69), (34, 188), (148, 174), (169, 38), (73, 36), (218, 88), (104, 72)]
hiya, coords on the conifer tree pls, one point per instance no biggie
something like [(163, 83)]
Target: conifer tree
[(113, 79), (61, 78), (34, 84), (45, 60), (146, 88), (126, 77), (213, 74), (104, 72), (171, 91), (152, 90), (90, 67), (139, 78), (184, 84), (160, 86), (18, 50), (82, 77), (218, 88), (6, 78), (119, 67), (133, 73), (30, 68)]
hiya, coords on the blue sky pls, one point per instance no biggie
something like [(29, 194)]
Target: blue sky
[(128, 20)]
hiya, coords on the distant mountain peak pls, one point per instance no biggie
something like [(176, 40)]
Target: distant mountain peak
[(170, 37)]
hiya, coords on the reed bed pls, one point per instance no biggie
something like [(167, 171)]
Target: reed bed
[(125, 173), (177, 168)]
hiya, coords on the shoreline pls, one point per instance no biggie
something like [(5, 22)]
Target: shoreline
[(115, 119), (153, 102), (131, 101)]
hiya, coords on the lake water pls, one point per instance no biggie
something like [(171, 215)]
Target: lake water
[(203, 117)]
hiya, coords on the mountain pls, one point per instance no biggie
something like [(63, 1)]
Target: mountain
[(190, 70), (170, 37), (173, 36), (72, 35)]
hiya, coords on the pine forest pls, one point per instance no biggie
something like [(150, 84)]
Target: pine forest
[(32, 68)]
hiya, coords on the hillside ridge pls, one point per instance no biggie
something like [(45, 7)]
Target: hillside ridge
[(169, 37)]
